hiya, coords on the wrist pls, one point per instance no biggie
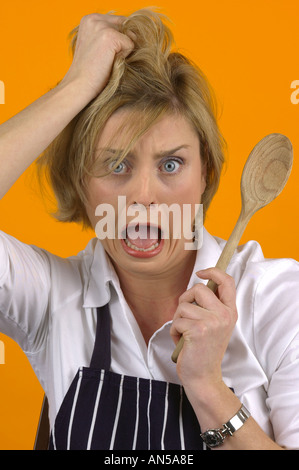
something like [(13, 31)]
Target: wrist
[(84, 90), (76, 91), (213, 402)]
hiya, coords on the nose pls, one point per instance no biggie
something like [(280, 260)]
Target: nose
[(143, 191)]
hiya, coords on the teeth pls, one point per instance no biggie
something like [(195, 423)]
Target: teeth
[(136, 248)]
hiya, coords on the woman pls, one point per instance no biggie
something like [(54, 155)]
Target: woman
[(132, 119)]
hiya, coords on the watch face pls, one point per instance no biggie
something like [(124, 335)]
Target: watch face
[(213, 438)]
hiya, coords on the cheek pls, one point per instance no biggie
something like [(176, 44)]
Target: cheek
[(191, 186), (188, 192), (98, 193)]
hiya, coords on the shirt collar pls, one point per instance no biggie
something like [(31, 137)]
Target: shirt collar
[(206, 257), (100, 271)]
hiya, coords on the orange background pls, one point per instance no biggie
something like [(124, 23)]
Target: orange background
[(249, 51)]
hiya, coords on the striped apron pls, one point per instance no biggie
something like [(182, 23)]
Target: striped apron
[(103, 410)]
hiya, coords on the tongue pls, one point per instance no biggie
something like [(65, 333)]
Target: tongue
[(140, 236)]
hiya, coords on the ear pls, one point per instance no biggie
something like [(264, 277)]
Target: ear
[(203, 177), (204, 157)]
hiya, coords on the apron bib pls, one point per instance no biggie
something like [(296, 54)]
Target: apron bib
[(103, 410)]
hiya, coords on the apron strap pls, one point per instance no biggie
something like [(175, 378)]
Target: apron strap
[(101, 356)]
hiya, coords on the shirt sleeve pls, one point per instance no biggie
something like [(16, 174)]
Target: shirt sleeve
[(276, 317), (24, 293)]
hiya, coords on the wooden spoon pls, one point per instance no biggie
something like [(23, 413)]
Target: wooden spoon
[(264, 176)]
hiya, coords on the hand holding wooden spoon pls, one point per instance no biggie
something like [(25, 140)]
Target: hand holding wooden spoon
[(264, 176)]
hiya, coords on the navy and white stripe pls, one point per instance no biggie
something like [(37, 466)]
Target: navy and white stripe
[(121, 412), (103, 410)]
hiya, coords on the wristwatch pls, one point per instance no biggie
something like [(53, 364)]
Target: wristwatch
[(215, 437)]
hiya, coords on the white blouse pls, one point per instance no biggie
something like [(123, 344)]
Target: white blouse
[(48, 306)]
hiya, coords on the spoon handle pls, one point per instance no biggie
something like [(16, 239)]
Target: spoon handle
[(222, 264), (230, 247)]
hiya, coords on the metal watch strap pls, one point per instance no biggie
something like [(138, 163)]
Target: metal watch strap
[(215, 437), (237, 421)]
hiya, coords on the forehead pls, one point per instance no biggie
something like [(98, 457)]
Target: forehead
[(168, 131)]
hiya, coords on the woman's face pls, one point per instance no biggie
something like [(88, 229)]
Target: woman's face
[(162, 172)]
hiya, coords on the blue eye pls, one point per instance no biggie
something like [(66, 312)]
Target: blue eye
[(171, 165), (121, 168)]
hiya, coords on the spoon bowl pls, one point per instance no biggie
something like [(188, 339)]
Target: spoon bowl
[(266, 172)]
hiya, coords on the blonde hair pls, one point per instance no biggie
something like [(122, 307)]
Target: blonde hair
[(151, 81)]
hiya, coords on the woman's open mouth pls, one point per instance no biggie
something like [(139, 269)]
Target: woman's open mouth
[(142, 241)]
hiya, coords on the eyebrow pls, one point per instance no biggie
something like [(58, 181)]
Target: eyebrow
[(158, 155)]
